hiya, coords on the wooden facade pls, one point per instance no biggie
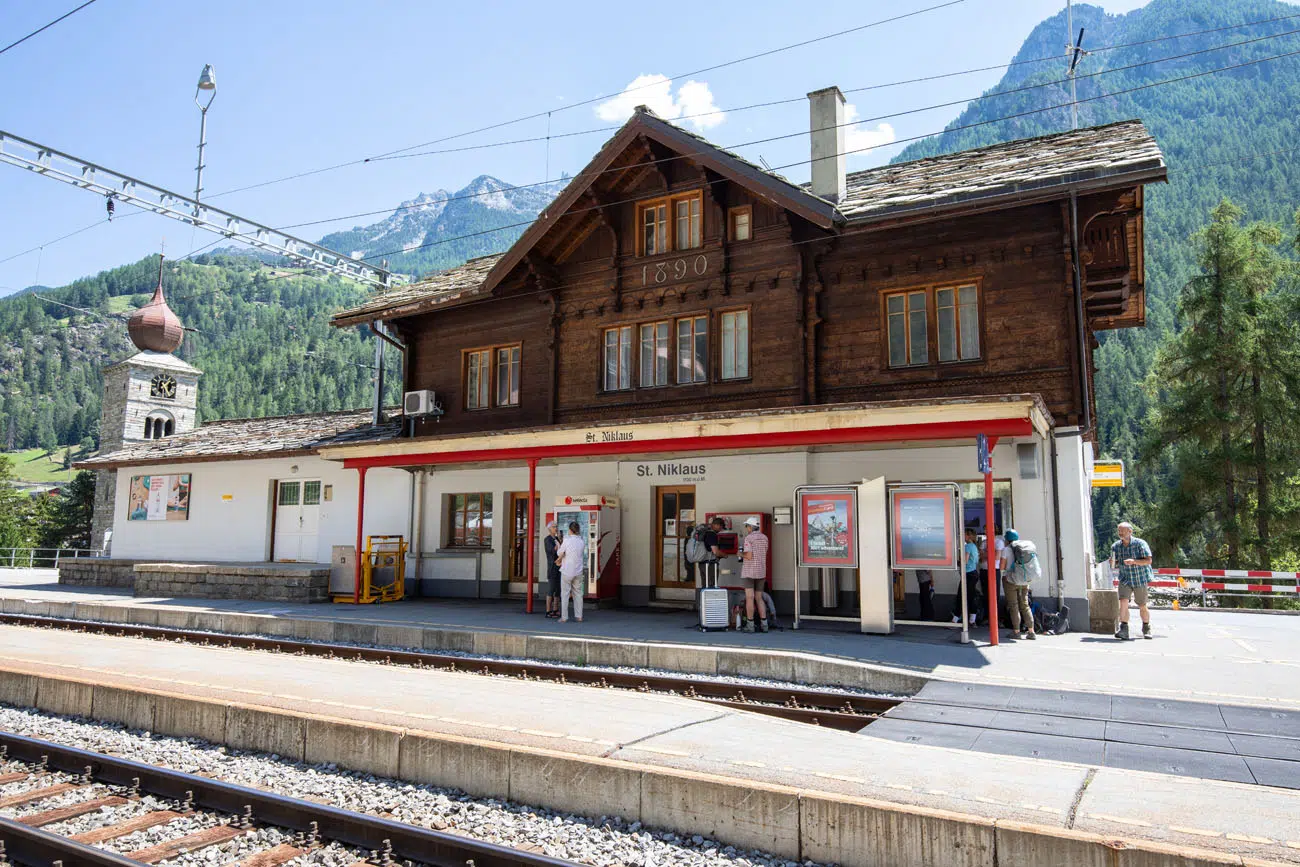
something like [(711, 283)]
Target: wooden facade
[(813, 290)]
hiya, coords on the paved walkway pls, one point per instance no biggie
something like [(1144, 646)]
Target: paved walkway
[(1220, 657), (671, 732)]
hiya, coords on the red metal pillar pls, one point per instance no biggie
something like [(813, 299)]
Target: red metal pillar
[(361, 514), (989, 526), (532, 530)]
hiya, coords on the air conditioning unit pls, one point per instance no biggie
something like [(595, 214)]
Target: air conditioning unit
[(423, 402)]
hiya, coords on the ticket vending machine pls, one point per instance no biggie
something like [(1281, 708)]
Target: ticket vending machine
[(730, 541), (598, 517)]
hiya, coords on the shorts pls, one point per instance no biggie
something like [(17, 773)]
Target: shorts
[(1139, 593), (553, 584), (758, 585)]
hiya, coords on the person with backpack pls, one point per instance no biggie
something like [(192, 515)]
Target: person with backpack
[(702, 549), (1020, 568)]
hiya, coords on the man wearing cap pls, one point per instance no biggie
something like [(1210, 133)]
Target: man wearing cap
[(753, 573), (1131, 556), (551, 543)]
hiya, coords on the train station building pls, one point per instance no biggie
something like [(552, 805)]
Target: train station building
[(683, 334)]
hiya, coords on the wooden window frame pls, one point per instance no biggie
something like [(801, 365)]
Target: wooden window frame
[(677, 348), (670, 345), (634, 347), (713, 353), (491, 351), (672, 243), (732, 213), (749, 355), (485, 498), (519, 372), (931, 291)]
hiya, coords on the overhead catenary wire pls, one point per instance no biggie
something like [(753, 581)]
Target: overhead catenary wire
[(45, 27), (869, 148), (802, 132), (399, 154)]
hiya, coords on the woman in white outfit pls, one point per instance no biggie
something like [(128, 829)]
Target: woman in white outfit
[(572, 557)]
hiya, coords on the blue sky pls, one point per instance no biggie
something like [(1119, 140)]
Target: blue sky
[(312, 83)]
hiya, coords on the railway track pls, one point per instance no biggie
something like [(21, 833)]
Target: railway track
[(51, 784), (832, 709)]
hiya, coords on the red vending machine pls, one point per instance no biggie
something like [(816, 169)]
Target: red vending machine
[(598, 517), (730, 541)]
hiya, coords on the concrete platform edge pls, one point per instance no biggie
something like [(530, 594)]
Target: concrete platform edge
[(781, 665), (794, 823)]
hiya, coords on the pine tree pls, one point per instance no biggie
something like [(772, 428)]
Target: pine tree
[(1224, 388)]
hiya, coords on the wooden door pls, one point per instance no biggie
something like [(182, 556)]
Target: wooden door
[(517, 561), (674, 518)]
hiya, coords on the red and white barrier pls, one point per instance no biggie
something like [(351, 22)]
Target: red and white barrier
[(1202, 574)]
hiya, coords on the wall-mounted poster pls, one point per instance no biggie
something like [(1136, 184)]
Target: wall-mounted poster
[(924, 527), (159, 498), (828, 527)]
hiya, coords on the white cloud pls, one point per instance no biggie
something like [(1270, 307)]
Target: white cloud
[(693, 102), (858, 138)]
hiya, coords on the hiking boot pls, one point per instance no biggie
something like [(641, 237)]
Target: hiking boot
[(748, 627), (1146, 630), (1122, 632), (762, 625), (1031, 636)]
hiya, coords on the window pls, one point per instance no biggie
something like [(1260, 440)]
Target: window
[(957, 326), (471, 521), (735, 344), (654, 354), (311, 493), (908, 329), (508, 376), (618, 358), (740, 220), (674, 223), (483, 368), (957, 310), (693, 349), (159, 424)]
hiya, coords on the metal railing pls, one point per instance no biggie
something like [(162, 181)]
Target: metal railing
[(42, 558), (1204, 587)]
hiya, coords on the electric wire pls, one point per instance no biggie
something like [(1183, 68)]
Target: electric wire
[(398, 153), (855, 122), (46, 27), (945, 131)]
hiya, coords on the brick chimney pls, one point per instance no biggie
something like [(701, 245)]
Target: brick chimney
[(826, 129)]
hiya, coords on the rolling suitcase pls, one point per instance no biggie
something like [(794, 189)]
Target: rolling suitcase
[(713, 601)]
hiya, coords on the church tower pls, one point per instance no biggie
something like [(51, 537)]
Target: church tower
[(150, 396)]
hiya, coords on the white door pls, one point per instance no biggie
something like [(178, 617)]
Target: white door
[(297, 520)]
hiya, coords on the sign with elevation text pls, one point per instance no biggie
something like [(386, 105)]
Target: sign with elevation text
[(983, 460), (1108, 474)]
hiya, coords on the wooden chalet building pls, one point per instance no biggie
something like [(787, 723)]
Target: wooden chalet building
[(685, 333), (678, 314)]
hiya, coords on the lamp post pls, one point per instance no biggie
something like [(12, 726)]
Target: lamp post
[(208, 83)]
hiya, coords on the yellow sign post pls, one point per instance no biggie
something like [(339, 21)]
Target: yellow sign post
[(1108, 474)]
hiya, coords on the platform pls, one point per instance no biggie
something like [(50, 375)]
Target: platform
[(1188, 739), (752, 780), (1224, 657)]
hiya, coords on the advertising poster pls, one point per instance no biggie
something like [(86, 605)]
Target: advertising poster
[(159, 498), (924, 528), (828, 531)]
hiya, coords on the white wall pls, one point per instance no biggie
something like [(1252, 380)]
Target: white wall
[(230, 510)]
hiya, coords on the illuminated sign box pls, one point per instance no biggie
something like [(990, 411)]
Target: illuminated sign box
[(925, 522)]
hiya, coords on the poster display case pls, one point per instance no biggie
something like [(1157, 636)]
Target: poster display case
[(925, 527), (827, 527), (159, 498)]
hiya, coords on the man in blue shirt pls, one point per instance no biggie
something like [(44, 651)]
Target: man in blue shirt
[(1131, 556)]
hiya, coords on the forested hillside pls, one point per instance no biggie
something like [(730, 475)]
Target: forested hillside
[(262, 338), (1229, 134)]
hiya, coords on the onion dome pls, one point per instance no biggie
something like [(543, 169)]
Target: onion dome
[(154, 327)]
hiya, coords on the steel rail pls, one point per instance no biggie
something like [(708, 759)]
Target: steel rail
[(33, 847), (402, 841), (819, 707)]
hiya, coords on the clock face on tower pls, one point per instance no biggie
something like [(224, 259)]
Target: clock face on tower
[(163, 386)]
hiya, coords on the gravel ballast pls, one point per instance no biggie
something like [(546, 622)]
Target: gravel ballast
[(606, 842)]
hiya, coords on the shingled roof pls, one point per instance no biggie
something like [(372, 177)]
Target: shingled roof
[(249, 438), (1008, 172), (1010, 169)]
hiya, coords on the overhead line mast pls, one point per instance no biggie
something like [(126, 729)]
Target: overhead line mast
[(44, 160)]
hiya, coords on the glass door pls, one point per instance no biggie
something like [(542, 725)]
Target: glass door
[(674, 520), (517, 564)]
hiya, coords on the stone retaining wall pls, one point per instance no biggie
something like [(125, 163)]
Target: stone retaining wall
[(215, 581), (97, 572)]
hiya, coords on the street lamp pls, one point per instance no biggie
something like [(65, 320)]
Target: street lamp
[(208, 83)]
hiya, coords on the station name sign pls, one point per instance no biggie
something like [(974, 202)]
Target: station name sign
[(608, 436), (695, 471)]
